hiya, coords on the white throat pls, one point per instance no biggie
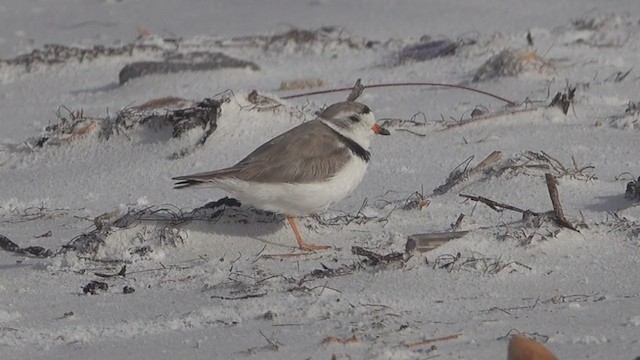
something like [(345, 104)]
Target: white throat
[(360, 134)]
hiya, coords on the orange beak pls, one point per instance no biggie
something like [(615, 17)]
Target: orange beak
[(380, 130)]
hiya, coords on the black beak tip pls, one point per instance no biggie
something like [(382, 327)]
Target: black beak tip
[(384, 131)]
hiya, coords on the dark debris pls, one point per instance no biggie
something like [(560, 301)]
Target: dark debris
[(36, 251), (374, 259), (633, 190), (94, 287)]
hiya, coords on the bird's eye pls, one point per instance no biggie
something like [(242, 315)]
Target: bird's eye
[(354, 118)]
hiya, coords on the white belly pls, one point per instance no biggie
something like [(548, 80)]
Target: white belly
[(298, 199)]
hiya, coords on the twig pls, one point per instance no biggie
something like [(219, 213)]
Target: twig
[(430, 341), (493, 204), (275, 345), (333, 339), (249, 296), (412, 132), (458, 222), (555, 200), (462, 87), (285, 255)]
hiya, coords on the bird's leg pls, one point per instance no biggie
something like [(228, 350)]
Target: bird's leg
[(301, 243)]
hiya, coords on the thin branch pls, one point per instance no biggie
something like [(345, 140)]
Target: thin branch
[(429, 341), (249, 296), (337, 340), (493, 204)]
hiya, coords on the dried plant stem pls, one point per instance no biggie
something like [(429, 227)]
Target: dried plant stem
[(337, 340), (429, 341), (475, 120), (493, 204), (454, 86)]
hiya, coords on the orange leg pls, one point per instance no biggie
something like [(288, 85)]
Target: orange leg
[(301, 243)]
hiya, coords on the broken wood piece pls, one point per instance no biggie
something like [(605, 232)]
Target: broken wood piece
[(555, 201), (491, 159), (337, 340), (521, 348), (430, 341), (429, 241), (167, 102), (457, 176)]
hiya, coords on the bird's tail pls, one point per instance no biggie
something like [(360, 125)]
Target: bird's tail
[(201, 179), (187, 183)]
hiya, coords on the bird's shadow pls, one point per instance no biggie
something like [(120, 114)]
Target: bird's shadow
[(224, 217), (609, 203), (97, 89)]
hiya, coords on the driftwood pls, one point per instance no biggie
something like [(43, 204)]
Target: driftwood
[(528, 214), (213, 61), (429, 241), (555, 201)]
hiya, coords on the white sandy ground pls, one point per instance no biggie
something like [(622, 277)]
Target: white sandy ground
[(579, 292)]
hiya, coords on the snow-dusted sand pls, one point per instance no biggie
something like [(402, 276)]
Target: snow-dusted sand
[(210, 287)]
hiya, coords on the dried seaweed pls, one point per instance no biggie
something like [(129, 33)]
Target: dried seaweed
[(73, 124), (300, 40), (53, 54)]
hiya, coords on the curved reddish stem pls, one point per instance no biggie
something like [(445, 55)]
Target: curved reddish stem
[(462, 87)]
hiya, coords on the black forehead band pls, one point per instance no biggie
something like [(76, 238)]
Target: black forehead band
[(366, 110)]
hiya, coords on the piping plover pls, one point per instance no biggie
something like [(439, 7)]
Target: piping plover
[(303, 170)]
